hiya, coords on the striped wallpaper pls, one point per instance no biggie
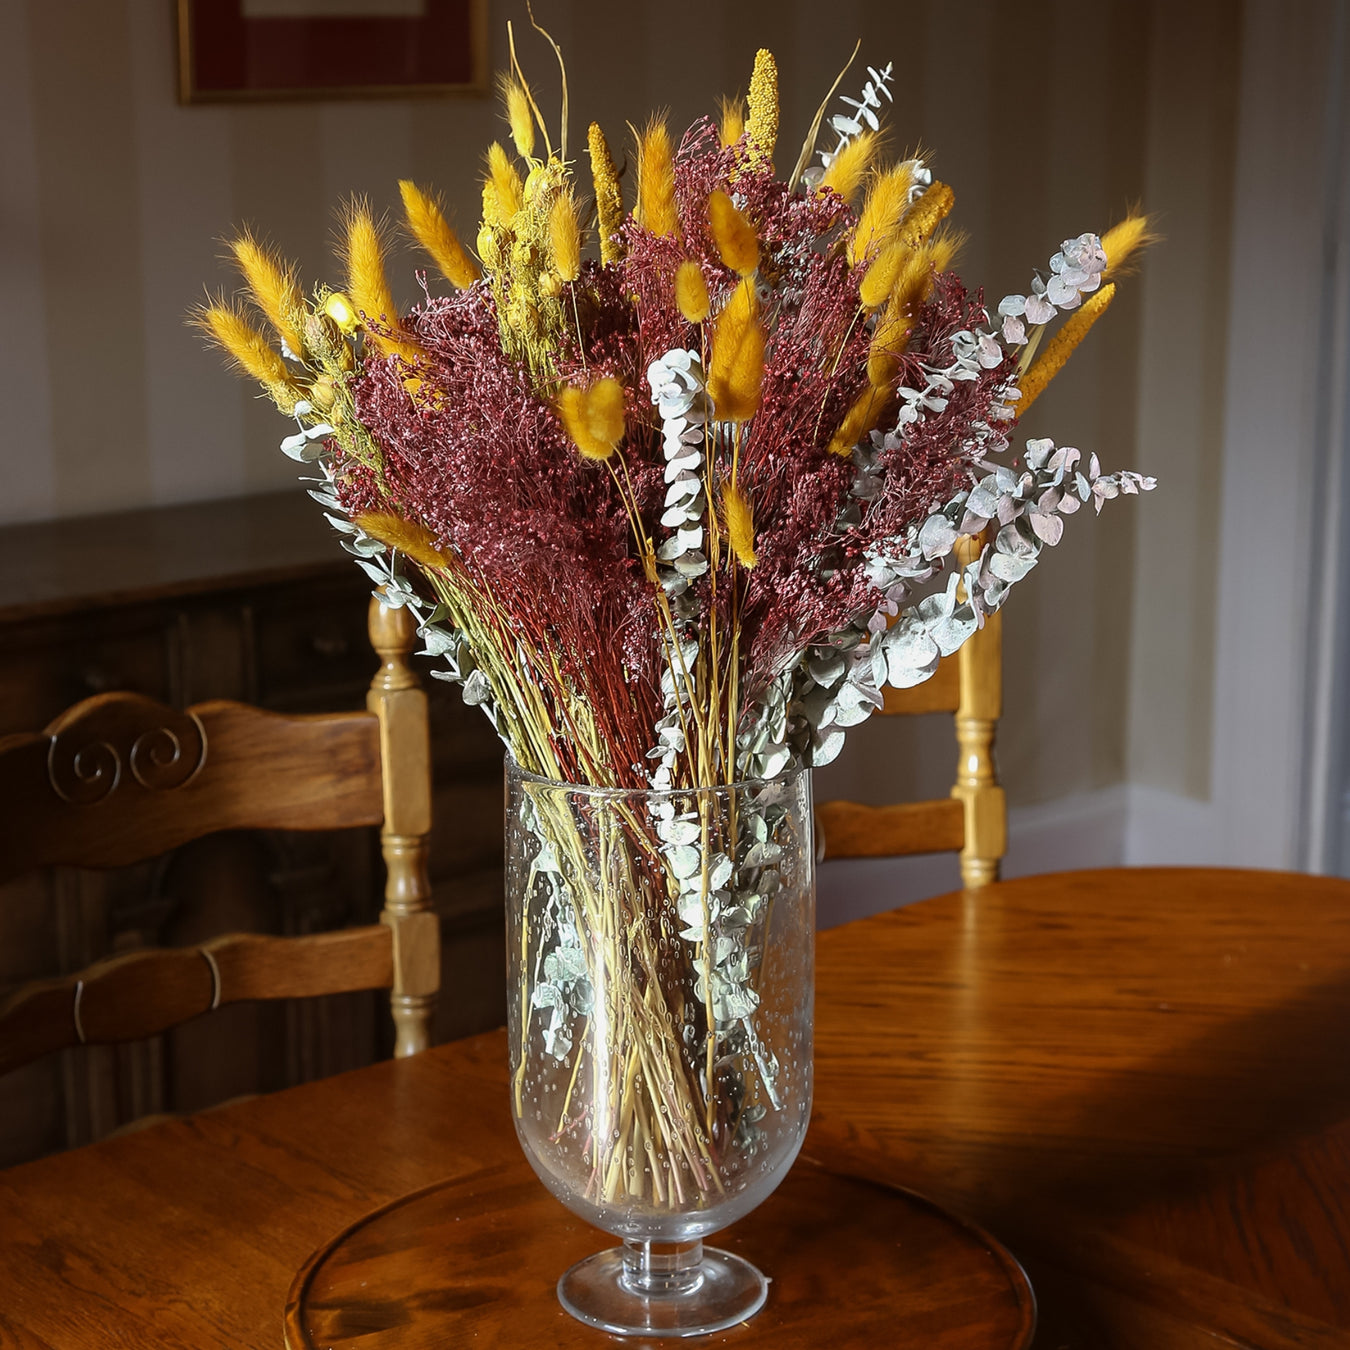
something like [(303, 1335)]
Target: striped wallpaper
[(1047, 116)]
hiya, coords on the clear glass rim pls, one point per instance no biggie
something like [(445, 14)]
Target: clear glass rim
[(513, 770)]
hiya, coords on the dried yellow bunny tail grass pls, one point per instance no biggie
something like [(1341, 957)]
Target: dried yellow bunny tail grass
[(861, 418), (506, 183), (734, 235), (915, 279), (368, 286), (883, 208), (1123, 240), (739, 519), (691, 291), (1060, 347), (736, 370), (927, 214), (761, 126), (593, 418), (249, 349), (849, 167), (564, 236), (889, 339), (730, 122), (882, 273), (656, 181), (416, 541), (519, 114), (608, 195), (428, 225), (275, 289)]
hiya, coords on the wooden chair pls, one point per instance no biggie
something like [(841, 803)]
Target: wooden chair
[(973, 820), (120, 778)]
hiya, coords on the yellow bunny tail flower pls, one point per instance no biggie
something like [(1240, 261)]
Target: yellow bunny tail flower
[(429, 227), (883, 207), (1058, 350), (733, 234), (229, 329), (915, 280), (369, 287), (506, 184), (889, 339), (519, 116), (849, 167), (739, 519), (410, 538), (762, 124), (858, 421), (608, 195), (1123, 240), (731, 122), (927, 214), (691, 291), (275, 289), (593, 418), (882, 273), (656, 181), (736, 371), (564, 236)]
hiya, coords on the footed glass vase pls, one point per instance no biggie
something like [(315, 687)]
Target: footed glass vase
[(660, 972)]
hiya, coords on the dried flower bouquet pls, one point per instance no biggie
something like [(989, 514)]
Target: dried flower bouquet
[(673, 516)]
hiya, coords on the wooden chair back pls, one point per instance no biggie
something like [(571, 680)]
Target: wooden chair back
[(120, 778), (973, 819)]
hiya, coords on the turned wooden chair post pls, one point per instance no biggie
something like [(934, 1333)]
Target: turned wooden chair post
[(977, 713), (398, 700), (972, 818)]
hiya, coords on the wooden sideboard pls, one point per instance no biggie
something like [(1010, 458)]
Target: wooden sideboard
[(250, 599)]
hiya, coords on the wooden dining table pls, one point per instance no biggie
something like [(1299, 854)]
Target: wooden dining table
[(1137, 1078)]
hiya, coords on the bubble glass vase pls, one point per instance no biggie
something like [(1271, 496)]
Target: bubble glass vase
[(660, 973)]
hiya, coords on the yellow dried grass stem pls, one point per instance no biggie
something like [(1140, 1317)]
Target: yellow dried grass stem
[(761, 126), (850, 166), (861, 418), (883, 207), (368, 285), (428, 225), (508, 189), (249, 349), (739, 518), (731, 121), (564, 236), (519, 114), (608, 195), (1058, 350), (1124, 239), (734, 235), (275, 288), (594, 417), (691, 291), (410, 538), (736, 370), (656, 209)]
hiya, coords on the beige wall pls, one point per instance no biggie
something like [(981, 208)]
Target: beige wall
[(1047, 118)]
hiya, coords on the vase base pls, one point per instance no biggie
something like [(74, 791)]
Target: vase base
[(720, 1291)]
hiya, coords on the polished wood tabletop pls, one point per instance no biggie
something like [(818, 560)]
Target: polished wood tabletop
[(1137, 1078)]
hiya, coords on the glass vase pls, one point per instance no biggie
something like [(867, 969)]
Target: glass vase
[(660, 974)]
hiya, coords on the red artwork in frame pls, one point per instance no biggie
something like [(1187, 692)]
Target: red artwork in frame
[(231, 50)]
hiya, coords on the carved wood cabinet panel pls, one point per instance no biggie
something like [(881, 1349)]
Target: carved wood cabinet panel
[(250, 600)]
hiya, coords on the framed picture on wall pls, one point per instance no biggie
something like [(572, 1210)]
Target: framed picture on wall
[(231, 50)]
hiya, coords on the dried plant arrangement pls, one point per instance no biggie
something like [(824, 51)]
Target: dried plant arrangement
[(671, 467)]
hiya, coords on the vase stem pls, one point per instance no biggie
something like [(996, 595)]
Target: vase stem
[(662, 1268)]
